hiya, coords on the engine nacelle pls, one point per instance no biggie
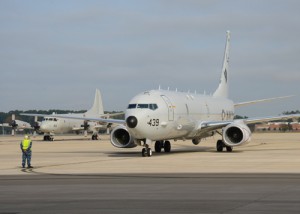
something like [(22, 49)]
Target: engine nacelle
[(236, 134), (121, 138)]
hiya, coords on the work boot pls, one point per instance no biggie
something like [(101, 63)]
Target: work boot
[(29, 167), (23, 166)]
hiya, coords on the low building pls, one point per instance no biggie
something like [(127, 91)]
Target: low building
[(278, 126)]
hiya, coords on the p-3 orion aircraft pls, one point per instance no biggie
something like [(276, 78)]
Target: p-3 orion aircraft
[(159, 116)]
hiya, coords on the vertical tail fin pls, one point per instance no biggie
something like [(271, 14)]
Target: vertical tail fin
[(97, 108), (222, 90)]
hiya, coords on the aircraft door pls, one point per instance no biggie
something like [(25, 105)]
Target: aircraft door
[(170, 107)]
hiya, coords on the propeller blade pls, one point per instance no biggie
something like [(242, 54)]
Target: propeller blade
[(85, 133), (13, 132)]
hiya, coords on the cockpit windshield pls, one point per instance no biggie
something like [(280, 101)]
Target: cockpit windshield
[(50, 119), (130, 106), (151, 106)]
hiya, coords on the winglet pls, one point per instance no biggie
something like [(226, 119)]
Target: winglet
[(222, 90)]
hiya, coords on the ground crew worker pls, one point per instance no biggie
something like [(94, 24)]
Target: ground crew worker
[(26, 145)]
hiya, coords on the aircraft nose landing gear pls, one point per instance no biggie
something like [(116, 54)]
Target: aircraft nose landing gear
[(146, 151)]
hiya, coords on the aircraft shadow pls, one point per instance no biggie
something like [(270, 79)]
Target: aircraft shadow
[(173, 152)]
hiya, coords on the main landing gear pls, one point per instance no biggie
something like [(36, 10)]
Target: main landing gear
[(159, 145), (48, 138), (166, 145), (221, 145), (94, 137)]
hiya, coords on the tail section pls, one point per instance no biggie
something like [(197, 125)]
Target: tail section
[(97, 108), (222, 90)]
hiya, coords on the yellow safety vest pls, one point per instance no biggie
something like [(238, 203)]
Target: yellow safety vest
[(25, 144)]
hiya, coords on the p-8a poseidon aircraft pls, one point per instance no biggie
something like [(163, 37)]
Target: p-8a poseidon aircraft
[(158, 116)]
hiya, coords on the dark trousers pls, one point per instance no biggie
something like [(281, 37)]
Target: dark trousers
[(26, 156)]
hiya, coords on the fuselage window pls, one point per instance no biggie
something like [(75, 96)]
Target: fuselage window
[(130, 106)]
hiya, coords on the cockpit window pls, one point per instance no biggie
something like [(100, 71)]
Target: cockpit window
[(152, 106), (131, 106), (50, 119), (143, 105)]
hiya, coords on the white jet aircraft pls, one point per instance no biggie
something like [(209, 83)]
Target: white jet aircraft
[(59, 124), (158, 116)]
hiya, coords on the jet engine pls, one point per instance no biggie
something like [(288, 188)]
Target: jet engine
[(236, 134), (121, 138)]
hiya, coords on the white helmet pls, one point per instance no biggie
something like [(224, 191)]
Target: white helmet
[(26, 137)]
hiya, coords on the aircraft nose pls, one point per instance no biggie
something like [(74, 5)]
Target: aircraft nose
[(43, 127), (131, 122)]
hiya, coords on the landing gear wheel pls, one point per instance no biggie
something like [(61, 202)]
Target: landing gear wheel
[(149, 152), (158, 146), (144, 152), (220, 146), (228, 148), (167, 146), (48, 138), (94, 137)]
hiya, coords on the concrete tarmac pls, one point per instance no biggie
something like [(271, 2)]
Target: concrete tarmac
[(151, 193), (77, 175)]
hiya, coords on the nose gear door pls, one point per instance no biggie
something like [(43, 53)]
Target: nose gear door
[(170, 107)]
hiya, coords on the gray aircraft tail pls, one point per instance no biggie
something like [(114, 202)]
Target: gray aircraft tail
[(222, 90), (97, 108)]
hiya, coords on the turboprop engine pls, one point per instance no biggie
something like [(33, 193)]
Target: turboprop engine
[(236, 134), (121, 138)]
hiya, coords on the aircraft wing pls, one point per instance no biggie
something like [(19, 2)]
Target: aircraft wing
[(259, 101), (5, 125), (79, 118), (213, 125)]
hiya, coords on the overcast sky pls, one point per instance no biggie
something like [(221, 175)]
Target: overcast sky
[(54, 54)]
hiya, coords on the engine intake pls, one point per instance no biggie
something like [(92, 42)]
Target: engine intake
[(236, 134), (121, 138)]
